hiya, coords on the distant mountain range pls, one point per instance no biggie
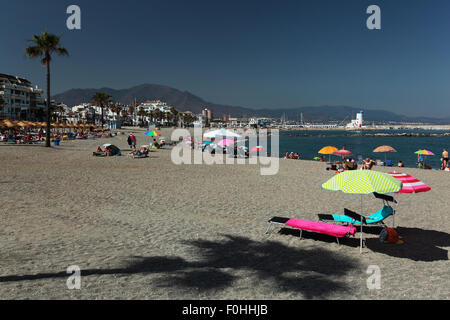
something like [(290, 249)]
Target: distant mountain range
[(186, 101)]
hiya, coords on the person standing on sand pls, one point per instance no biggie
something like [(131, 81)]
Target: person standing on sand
[(132, 141), (445, 159)]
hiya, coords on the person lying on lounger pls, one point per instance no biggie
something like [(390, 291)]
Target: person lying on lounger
[(141, 152)]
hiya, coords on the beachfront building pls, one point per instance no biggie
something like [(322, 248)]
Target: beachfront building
[(207, 115), (356, 123), (259, 122), (20, 100), (156, 110), (237, 122)]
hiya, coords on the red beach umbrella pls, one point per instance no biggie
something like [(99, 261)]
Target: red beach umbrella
[(257, 148)]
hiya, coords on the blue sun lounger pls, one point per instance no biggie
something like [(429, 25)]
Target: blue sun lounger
[(376, 219)]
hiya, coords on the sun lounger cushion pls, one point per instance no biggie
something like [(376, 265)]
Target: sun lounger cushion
[(319, 227), (375, 218)]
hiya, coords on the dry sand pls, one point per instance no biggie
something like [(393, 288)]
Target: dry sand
[(148, 229)]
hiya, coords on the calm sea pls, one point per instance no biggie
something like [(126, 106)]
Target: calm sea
[(308, 146)]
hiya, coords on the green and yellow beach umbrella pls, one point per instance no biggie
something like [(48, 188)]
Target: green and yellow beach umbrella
[(363, 182)]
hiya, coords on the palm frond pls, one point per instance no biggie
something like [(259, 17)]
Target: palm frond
[(34, 52)]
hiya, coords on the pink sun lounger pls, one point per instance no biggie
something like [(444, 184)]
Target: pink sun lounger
[(338, 231)]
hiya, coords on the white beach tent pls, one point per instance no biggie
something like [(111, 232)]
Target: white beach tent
[(221, 133)]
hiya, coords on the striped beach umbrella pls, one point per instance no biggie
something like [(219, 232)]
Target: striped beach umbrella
[(425, 152), (410, 183), (152, 133), (363, 182)]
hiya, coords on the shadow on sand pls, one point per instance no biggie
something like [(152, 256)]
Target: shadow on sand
[(418, 245), (314, 273)]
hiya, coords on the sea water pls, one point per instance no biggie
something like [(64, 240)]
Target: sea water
[(307, 143)]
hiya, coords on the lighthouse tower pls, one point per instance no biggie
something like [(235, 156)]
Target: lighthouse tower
[(358, 122), (359, 119)]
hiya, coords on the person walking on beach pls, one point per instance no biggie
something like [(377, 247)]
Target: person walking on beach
[(444, 159), (132, 141)]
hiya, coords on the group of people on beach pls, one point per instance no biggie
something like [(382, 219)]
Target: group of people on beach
[(131, 140), (292, 155)]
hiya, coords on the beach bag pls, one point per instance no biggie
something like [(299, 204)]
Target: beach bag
[(388, 235)]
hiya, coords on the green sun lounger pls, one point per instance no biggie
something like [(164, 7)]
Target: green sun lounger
[(376, 219)]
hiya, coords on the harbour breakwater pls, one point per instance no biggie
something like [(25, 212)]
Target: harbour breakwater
[(446, 134)]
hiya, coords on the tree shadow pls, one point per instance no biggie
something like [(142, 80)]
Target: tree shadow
[(314, 273), (418, 245)]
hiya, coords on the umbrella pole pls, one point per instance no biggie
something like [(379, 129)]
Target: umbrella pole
[(361, 241)]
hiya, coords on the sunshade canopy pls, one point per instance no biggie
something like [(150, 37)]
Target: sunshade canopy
[(385, 149), (343, 152), (257, 148), (226, 142), (410, 183), (152, 133), (425, 152), (363, 182), (328, 150), (221, 133)]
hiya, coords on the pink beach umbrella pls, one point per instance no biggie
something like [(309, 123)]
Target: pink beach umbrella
[(226, 142), (343, 153), (257, 148), (410, 183)]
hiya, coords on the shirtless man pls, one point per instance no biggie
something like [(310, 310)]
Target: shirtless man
[(445, 158)]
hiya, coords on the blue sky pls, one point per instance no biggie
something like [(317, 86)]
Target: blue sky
[(258, 54)]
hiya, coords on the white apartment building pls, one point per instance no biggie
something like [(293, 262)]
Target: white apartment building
[(20, 99)]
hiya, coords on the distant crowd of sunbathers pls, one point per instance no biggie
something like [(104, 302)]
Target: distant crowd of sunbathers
[(292, 155)]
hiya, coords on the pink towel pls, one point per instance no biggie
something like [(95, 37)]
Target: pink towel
[(322, 227)]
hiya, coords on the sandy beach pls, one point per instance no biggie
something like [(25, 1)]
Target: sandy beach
[(149, 229)]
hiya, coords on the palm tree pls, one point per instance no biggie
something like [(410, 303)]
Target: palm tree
[(158, 115), (174, 113), (102, 100), (43, 46), (141, 114), (2, 108), (117, 109)]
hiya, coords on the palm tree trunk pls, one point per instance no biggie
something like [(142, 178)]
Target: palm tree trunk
[(47, 133), (102, 118)]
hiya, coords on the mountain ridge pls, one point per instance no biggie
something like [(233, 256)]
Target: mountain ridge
[(187, 101)]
